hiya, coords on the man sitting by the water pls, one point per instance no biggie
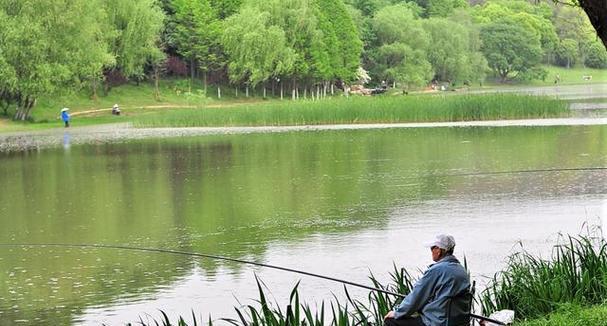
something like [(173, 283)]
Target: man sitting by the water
[(442, 286)]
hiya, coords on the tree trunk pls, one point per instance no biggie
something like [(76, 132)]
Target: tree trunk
[(293, 90), (332, 89), (204, 81), (236, 91), (106, 87), (246, 91), (596, 10), (192, 71), (218, 92), (24, 108), (281, 91), (156, 83), (264, 91), (30, 106), (94, 86)]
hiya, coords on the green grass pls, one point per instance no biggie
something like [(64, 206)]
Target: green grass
[(574, 75), (571, 76), (572, 315), (173, 93), (382, 109), (534, 287)]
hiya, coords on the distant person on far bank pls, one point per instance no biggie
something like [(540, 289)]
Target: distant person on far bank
[(441, 296), (115, 109), (557, 79), (65, 116)]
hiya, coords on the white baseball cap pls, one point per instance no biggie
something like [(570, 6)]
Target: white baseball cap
[(443, 241)]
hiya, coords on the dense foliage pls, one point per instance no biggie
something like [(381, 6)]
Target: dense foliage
[(535, 287), (305, 48)]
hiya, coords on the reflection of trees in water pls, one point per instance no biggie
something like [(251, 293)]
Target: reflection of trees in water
[(235, 195)]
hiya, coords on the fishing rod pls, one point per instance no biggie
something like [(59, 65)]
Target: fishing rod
[(200, 255), (469, 174)]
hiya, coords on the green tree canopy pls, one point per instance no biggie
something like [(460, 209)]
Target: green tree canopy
[(535, 18), (596, 56), (402, 45), (196, 33), (41, 54), (341, 41), (510, 48), (133, 35), (567, 52), (443, 8), (257, 49)]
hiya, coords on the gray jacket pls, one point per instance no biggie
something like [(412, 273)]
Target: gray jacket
[(430, 295)]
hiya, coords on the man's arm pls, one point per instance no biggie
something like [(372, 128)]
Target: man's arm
[(420, 295)]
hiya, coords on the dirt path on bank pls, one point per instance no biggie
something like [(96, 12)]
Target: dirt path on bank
[(115, 133), (94, 112)]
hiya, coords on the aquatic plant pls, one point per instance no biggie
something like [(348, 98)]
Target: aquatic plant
[(533, 287), (353, 110)]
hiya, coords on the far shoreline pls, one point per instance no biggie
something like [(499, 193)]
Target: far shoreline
[(116, 133)]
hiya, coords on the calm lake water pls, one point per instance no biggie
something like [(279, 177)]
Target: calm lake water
[(340, 203)]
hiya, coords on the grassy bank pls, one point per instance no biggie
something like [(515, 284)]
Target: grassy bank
[(568, 76), (570, 315), (386, 109), (173, 94), (182, 105)]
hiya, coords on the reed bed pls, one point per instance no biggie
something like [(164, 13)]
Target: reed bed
[(353, 110), (534, 287)]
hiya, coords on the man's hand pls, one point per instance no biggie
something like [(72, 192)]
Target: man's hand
[(390, 314)]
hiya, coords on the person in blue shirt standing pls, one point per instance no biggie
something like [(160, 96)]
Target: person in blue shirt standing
[(441, 287), (65, 116)]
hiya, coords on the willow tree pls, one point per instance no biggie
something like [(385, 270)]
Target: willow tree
[(41, 54), (257, 48), (132, 32), (402, 45)]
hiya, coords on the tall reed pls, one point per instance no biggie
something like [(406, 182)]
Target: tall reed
[(363, 110), (350, 312), (533, 287)]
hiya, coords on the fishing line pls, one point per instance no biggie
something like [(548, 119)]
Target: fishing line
[(195, 254), (599, 168)]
